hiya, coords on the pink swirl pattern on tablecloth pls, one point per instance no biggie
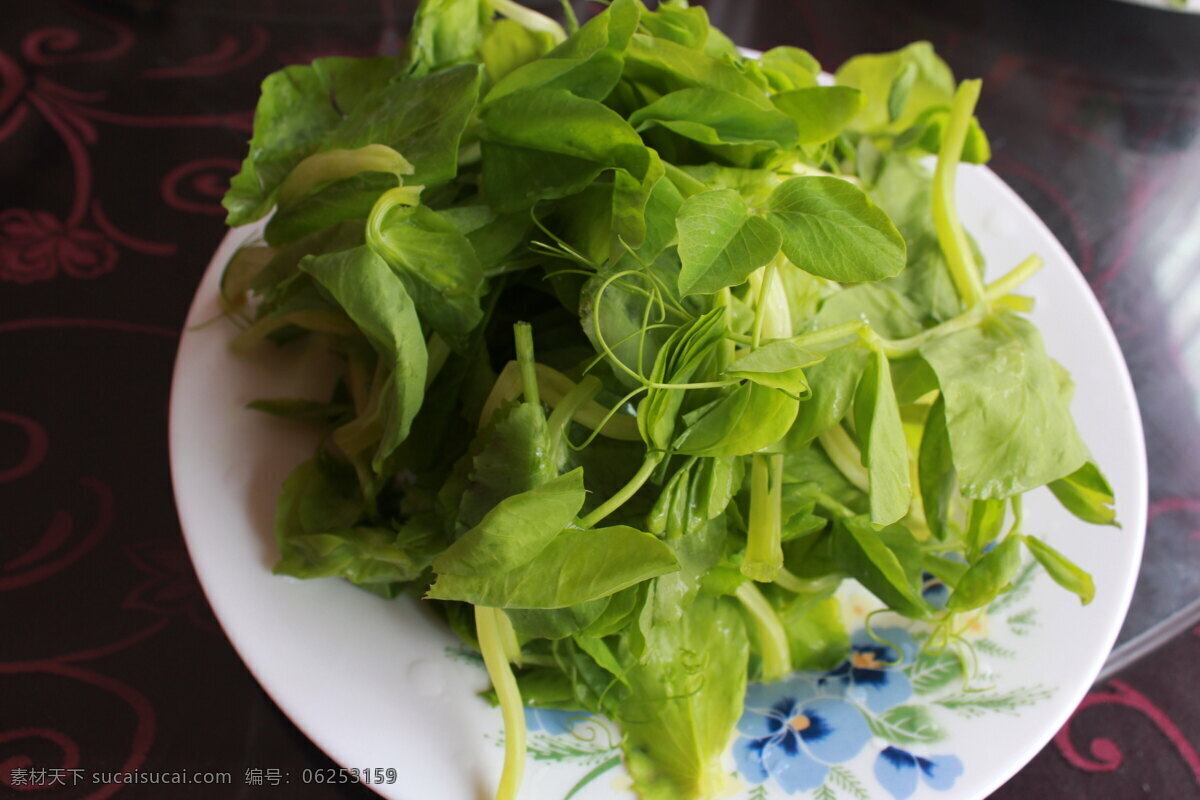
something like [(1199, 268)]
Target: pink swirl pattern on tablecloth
[(1106, 755), (166, 97)]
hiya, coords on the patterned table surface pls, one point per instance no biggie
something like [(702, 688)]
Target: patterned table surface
[(120, 123)]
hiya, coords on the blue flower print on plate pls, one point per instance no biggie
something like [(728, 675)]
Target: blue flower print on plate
[(898, 770), (553, 721), (934, 591), (793, 731), (874, 673)]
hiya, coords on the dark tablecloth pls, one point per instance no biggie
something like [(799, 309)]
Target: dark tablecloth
[(120, 123)]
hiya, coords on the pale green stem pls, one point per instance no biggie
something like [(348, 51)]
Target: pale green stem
[(800, 168), (569, 15), (530, 19), (776, 653), (564, 412), (240, 272), (793, 583), (845, 455), (508, 637), (553, 388), (333, 165), (951, 236), (761, 305), (523, 333), (777, 323), (728, 347), (1018, 275), (627, 491), (1013, 302), (764, 549), (683, 181), (491, 645), (438, 352), (826, 501), (905, 348), (318, 320)]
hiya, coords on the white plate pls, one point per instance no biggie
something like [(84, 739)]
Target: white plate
[(381, 684)]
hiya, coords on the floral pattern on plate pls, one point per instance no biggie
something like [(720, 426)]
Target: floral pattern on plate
[(876, 726)]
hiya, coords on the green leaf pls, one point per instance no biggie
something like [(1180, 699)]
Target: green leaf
[(685, 699), (987, 577), (669, 597), (364, 555), (985, 518), (898, 93), (935, 468), (1087, 495), (444, 33), (300, 410), (889, 313), (686, 26), (616, 323), (587, 64), (779, 365), (514, 178), (619, 611), (713, 116), (832, 384), (925, 81), (508, 458), (550, 143), (913, 380), (884, 449), (576, 566), (861, 551), (927, 131), (523, 555), (788, 68), (336, 165), (721, 242), (436, 262), (817, 636), (820, 112), (743, 421), (298, 107), (631, 195), (684, 353), (1010, 426), (831, 229), (556, 121), (699, 491), (601, 653), (377, 302), (508, 45), (667, 66), (903, 189), (340, 201), (556, 623), (286, 262), (315, 527), (421, 118), (755, 185), (1062, 570)]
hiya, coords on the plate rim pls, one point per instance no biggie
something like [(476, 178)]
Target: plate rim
[(1017, 759)]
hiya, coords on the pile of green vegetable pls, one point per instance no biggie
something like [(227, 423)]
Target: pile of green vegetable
[(646, 347)]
